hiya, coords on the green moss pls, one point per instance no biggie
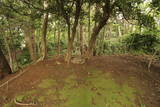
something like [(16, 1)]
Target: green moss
[(47, 83), (41, 99), (23, 96), (97, 90), (100, 92), (11, 104), (50, 92), (20, 98), (31, 92)]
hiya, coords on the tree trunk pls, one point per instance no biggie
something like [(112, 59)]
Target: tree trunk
[(68, 55), (81, 39), (59, 47), (9, 53), (70, 44), (102, 42), (119, 31), (74, 29), (4, 66), (94, 35), (106, 14), (39, 43), (89, 20), (30, 42), (44, 32)]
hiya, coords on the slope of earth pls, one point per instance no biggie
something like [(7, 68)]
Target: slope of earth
[(106, 81)]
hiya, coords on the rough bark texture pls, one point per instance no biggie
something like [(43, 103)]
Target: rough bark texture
[(44, 35), (81, 40), (97, 28), (9, 53), (73, 30), (44, 31), (4, 66), (30, 42), (89, 20)]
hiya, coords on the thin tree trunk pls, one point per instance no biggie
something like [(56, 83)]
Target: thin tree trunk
[(38, 44), (89, 21), (44, 32), (59, 47), (68, 55), (102, 42), (119, 31), (81, 39)]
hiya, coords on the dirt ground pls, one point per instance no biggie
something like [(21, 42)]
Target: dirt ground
[(122, 68)]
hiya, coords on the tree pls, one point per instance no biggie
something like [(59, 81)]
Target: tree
[(29, 33), (4, 66), (130, 10), (66, 14), (44, 31)]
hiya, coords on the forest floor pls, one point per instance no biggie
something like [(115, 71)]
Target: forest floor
[(104, 81)]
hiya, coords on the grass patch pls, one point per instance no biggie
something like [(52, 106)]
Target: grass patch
[(95, 90), (102, 91), (50, 91), (11, 104), (47, 83)]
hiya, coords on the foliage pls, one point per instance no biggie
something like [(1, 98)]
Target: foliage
[(24, 57), (113, 46), (146, 42), (20, 14)]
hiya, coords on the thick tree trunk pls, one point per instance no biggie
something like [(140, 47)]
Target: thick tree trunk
[(33, 41), (4, 66), (9, 53), (30, 42), (97, 28), (74, 29), (94, 35), (78, 4), (70, 44), (44, 36)]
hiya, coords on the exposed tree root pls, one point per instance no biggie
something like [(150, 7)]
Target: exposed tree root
[(23, 104), (15, 77), (151, 61)]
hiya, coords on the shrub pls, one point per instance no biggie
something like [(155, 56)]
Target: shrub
[(146, 42)]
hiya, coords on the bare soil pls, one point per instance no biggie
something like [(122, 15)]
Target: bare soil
[(121, 67)]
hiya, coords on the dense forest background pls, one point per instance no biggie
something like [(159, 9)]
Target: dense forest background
[(32, 30)]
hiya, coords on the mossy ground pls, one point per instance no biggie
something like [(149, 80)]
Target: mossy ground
[(98, 89)]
